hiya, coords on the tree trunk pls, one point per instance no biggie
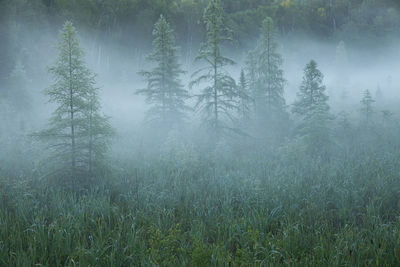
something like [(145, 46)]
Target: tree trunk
[(71, 105)]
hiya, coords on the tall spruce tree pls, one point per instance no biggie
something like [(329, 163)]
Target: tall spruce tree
[(270, 81), (164, 88), (78, 134), (266, 82), (219, 100), (311, 105)]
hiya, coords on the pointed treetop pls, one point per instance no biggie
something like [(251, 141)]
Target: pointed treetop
[(367, 98), (68, 30), (214, 20), (311, 96), (312, 73), (268, 24)]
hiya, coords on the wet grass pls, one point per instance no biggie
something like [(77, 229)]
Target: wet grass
[(247, 212)]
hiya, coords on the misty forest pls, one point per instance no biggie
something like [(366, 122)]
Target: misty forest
[(199, 132)]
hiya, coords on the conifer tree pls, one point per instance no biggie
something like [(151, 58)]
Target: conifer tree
[(366, 107), (244, 99), (265, 75), (311, 105), (164, 88), (270, 81), (219, 100), (78, 133), (251, 73)]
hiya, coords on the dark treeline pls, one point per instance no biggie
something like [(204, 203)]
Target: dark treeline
[(223, 169), (128, 24)]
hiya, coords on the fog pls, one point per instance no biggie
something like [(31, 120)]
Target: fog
[(368, 64), (371, 66), (117, 70), (162, 146)]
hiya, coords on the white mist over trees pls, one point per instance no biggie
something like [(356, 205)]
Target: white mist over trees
[(251, 111), (242, 105), (276, 143)]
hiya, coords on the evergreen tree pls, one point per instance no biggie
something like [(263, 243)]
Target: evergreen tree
[(78, 134), (251, 73), (366, 107), (270, 81), (244, 106), (220, 99), (312, 106), (164, 89), (264, 66)]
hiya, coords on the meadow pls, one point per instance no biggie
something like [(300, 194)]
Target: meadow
[(181, 208)]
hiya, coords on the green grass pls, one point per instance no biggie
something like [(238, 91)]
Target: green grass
[(239, 212)]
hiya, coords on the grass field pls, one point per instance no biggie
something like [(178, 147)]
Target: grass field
[(215, 211)]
